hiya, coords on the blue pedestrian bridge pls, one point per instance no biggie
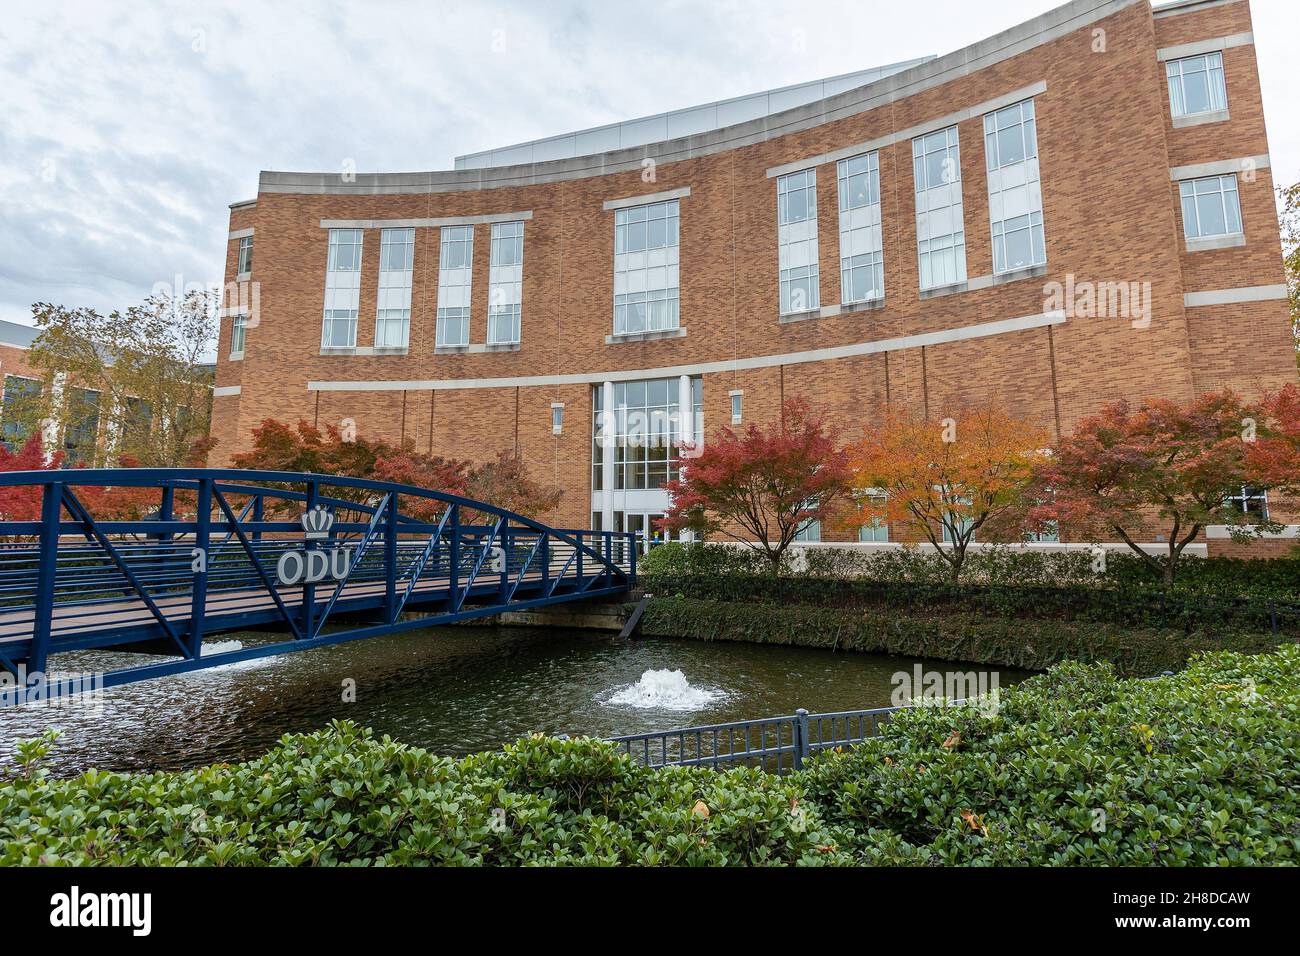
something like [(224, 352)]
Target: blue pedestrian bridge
[(321, 559)]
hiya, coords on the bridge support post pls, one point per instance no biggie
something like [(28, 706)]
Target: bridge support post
[(505, 559), (546, 563), (259, 510), (199, 589), (453, 558), (51, 511), (166, 509), (309, 590), (390, 559)]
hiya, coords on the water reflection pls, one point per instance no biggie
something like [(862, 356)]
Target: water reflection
[(454, 690)]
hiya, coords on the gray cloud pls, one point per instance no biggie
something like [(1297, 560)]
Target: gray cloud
[(125, 130)]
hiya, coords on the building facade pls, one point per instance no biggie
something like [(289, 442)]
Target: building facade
[(1076, 210)]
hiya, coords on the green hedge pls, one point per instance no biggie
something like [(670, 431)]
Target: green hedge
[(1074, 767), (1029, 643), (1279, 578), (1126, 608)]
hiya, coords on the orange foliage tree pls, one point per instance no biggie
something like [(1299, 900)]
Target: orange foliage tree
[(768, 483), (945, 478)]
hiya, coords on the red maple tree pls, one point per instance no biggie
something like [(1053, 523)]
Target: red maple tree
[(762, 487), (1169, 465)]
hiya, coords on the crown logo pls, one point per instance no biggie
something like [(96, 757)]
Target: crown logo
[(316, 523)]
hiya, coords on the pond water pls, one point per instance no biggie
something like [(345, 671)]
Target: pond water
[(454, 690)]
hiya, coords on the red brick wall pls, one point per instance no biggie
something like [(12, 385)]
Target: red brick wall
[(1106, 144)]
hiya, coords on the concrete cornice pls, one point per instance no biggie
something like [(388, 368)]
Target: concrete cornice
[(1187, 6), (1219, 167), (1050, 26)]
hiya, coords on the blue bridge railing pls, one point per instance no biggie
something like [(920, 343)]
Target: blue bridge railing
[(155, 560)]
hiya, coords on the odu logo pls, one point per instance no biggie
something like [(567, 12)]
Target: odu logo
[(310, 566)]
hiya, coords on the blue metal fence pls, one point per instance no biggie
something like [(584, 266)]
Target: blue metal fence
[(770, 743)]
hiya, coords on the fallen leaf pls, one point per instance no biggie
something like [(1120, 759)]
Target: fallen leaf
[(953, 740), (701, 809)]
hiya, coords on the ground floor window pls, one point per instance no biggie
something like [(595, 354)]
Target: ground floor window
[(809, 531), (1249, 501)]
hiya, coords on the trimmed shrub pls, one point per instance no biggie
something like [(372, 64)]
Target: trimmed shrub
[(1078, 768), (343, 796), (1023, 642), (1074, 767), (1279, 577)]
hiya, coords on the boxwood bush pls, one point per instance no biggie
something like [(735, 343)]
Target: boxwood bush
[(1244, 596), (1074, 767), (1026, 641), (1279, 577)]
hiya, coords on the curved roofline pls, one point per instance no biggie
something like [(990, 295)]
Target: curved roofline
[(1055, 23), (671, 124)]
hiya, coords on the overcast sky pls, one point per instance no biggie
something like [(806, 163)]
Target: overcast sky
[(127, 129)]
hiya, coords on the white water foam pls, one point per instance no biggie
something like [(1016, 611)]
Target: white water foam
[(224, 647), (665, 690)]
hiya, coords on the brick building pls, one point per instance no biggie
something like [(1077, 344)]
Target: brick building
[(1076, 210)]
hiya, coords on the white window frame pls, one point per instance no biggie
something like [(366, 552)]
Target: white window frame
[(505, 283), (647, 274), (393, 295), (645, 433), (861, 238), (238, 335), (798, 266), (870, 533), (939, 202), (1191, 191), (342, 289), (1176, 75), (455, 285), (1015, 190), (244, 257), (1242, 497)]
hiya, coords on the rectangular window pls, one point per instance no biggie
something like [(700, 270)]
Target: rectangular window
[(810, 529), (245, 256), (960, 521), (557, 418), (1015, 193), (238, 333), (342, 289), (1250, 501), (20, 411), (455, 274), (1210, 207), (737, 406), (796, 225), (1196, 84), (505, 283), (940, 215), (647, 433), (646, 273), (137, 422), (393, 302), (876, 530), (862, 261), (82, 432)]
